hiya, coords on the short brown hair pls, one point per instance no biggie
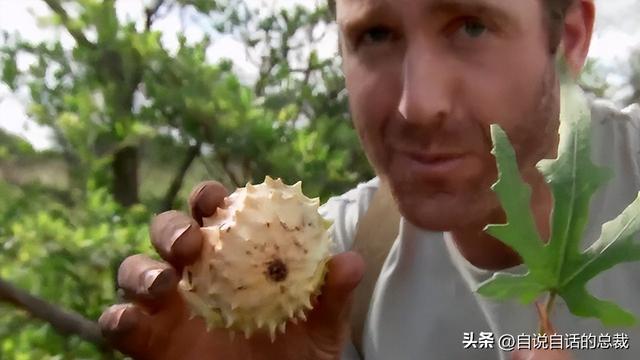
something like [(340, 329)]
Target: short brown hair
[(556, 11)]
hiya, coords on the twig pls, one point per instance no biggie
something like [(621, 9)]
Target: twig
[(222, 159), (151, 13), (176, 183), (224, 163), (77, 35)]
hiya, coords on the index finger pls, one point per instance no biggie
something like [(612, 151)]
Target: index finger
[(205, 199), (176, 237)]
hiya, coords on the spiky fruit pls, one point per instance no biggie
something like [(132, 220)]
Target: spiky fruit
[(263, 259)]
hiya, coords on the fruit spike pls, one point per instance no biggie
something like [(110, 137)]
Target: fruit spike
[(272, 331), (290, 312), (308, 305), (253, 275)]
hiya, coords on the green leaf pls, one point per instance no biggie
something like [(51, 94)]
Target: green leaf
[(504, 286), (615, 245), (560, 267), (9, 66), (520, 233)]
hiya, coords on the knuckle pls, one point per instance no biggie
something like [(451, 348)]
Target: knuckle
[(109, 321), (132, 265), (196, 190), (167, 217), (132, 260), (164, 225), (129, 262)]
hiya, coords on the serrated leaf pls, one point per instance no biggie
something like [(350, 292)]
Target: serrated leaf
[(505, 286), (520, 233), (560, 267), (615, 245)]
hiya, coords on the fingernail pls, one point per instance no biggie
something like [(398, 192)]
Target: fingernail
[(150, 280), (177, 235), (209, 201), (200, 189), (196, 194), (128, 319), (120, 320), (158, 281)]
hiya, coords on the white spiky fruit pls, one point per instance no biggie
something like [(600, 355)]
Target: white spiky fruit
[(263, 258)]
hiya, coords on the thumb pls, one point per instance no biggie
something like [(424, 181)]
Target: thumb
[(330, 316)]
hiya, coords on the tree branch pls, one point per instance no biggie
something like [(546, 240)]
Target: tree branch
[(79, 37), (176, 183), (225, 166), (222, 159), (64, 321), (151, 13), (265, 71)]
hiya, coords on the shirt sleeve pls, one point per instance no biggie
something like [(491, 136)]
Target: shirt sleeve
[(633, 112), (616, 142), (344, 211)]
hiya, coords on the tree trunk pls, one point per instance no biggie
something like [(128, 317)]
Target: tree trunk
[(125, 175), (178, 179)]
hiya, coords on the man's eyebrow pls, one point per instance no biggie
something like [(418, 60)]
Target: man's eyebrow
[(360, 12), (481, 8)]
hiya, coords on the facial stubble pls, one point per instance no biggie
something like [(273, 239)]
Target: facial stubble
[(472, 206)]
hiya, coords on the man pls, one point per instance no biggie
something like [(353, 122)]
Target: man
[(425, 78)]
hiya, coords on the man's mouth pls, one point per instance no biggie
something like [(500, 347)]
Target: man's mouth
[(437, 164)]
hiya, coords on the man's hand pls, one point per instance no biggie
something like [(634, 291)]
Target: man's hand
[(156, 323)]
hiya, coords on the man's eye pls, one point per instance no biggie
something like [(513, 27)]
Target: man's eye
[(473, 27), (375, 35)]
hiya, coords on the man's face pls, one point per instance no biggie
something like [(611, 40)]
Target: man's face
[(426, 78)]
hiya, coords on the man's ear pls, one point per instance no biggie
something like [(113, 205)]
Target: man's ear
[(576, 33)]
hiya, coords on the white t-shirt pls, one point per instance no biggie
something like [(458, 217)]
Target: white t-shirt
[(423, 302)]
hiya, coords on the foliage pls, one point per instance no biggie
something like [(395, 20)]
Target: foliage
[(67, 256), (559, 267), (591, 79), (136, 125), (12, 146)]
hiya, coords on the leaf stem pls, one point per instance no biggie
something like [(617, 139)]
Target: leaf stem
[(545, 314), (550, 302)]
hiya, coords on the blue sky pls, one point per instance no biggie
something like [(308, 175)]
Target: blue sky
[(616, 34)]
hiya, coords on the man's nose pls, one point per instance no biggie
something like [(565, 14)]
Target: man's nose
[(427, 84)]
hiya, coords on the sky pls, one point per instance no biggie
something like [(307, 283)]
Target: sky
[(615, 36)]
